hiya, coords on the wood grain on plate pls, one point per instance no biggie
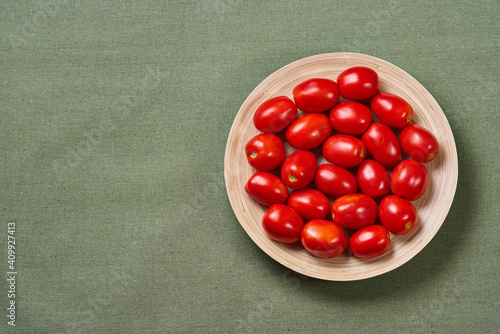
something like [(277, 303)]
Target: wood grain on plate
[(432, 208)]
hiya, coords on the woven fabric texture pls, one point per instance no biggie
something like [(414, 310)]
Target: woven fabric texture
[(114, 121)]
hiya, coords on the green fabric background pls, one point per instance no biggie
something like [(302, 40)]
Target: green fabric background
[(114, 121)]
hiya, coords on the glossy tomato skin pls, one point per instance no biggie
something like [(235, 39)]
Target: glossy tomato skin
[(350, 118), (344, 150), (275, 114), (299, 169), (316, 95), (265, 151), (382, 144), (373, 179), (308, 131), (397, 214), (358, 83), (409, 180), (309, 203), (334, 181), (266, 188), (323, 238), (282, 223), (371, 241), (391, 109), (419, 143), (354, 211)]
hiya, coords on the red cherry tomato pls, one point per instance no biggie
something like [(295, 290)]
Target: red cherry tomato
[(282, 223), (373, 179), (298, 169), (316, 95), (419, 143), (309, 203), (409, 180), (266, 188), (358, 83), (344, 150), (323, 238), (350, 118), (335, 181), (371, 241), (308, 131), (397, 214), (265, 151), (275, 114), (354, 211), (391, 109), (382, 144)]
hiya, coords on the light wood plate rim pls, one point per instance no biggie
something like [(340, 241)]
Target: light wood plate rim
[(433, 207)]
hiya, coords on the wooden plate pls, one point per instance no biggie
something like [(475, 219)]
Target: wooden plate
[(432, 208)]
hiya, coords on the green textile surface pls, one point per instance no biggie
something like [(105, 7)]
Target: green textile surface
[(114, 121)]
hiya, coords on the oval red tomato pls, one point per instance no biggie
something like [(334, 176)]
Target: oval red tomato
[(266, 188), (265, 151), (397, 214), (275, 114), (299, 169), (309, 203), (354, 211), (409, 180), (323, 238), (350, 210), (344, 150), (419, 143), (358, 83), (316, 95), (391, 109), (282, 223), (371, 241), (350, 118), (373, 179), (308, 131), (335, 181), (382, 144)]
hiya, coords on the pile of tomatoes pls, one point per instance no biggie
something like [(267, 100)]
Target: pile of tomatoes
[(374, 165)]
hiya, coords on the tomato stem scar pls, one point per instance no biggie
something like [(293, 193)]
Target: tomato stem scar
[(408, 119), (292, 178), (253, 154)]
